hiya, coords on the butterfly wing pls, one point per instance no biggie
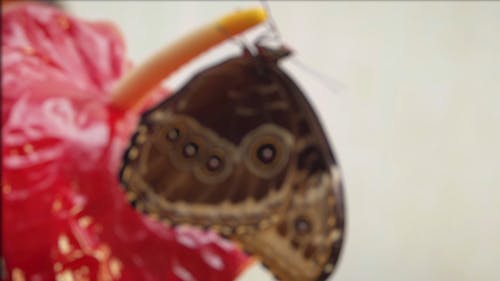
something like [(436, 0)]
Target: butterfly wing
[(189, 161), (240, 150), (305, 242)]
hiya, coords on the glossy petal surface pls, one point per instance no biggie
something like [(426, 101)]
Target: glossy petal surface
[(64, 212)]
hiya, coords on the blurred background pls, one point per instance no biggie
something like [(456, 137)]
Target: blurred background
[(409, 93)]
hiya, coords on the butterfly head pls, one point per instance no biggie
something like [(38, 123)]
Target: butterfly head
[(272, 54)]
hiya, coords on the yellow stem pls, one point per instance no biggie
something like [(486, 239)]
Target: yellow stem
[(141, 80)]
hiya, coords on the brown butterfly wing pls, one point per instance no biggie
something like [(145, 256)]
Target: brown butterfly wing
[(305, 242), (240, 150), (218, 112)]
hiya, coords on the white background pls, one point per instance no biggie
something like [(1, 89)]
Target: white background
[(414, 117)]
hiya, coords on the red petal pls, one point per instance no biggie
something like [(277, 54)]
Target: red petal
[(64, 210)]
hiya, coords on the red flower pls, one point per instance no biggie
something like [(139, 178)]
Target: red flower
[(64, 212)]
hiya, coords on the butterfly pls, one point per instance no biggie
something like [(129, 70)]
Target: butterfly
[(240, 150)]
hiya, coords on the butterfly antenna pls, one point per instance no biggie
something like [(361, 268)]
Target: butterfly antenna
[(330, 83)]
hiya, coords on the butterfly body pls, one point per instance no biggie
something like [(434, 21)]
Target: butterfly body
[(240, 150)]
